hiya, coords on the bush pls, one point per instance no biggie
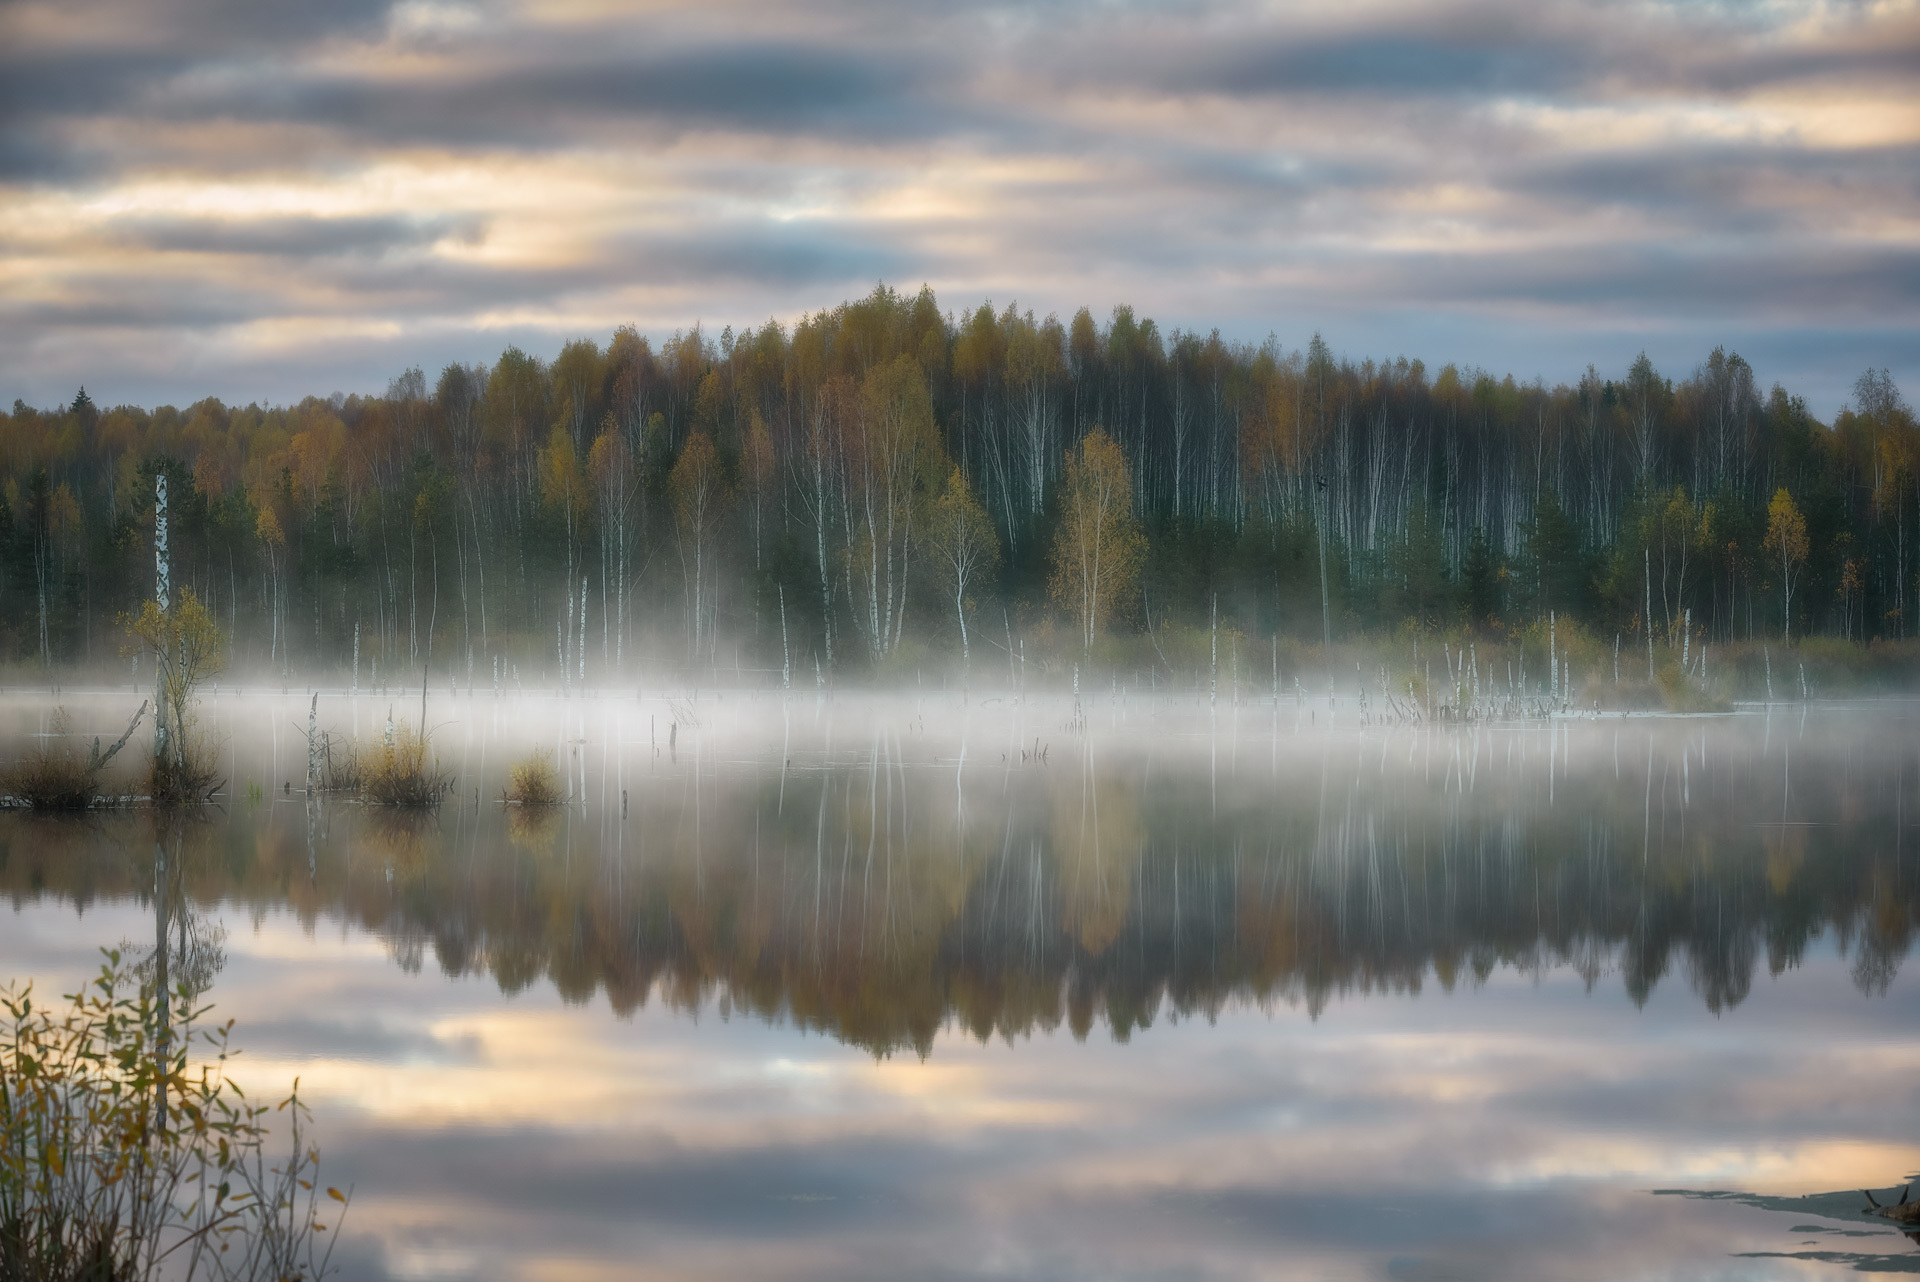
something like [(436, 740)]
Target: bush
[(120, 1159), (395, 772), (533, 781)]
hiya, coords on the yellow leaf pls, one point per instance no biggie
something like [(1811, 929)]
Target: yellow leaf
[(336, 1195)]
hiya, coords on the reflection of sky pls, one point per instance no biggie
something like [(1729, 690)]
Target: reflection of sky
[(1506, 1131)]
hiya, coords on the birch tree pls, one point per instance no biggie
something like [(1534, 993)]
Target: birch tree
[(1098, 547), (610, 465), (698, 496), (1787, 541), (963, 543), (893, 450)]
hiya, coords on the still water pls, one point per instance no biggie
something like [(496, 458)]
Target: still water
[(930, 987)]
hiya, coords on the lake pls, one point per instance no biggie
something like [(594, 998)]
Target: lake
[(1125, 987)]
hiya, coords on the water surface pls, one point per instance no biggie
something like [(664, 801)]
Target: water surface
[(863, 988)]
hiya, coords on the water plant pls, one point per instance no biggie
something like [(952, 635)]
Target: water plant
[(397, 772), (53, 778), (127, 1152), (532, 781)]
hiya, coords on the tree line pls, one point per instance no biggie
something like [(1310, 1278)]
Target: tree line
[(884, 485)]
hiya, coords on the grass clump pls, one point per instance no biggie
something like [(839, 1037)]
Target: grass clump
[(53, 778), (48, 780), (533, 781), (396, 772), (124, 1154)]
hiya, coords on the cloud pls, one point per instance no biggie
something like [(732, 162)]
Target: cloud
[(297, 237), (430, 169)]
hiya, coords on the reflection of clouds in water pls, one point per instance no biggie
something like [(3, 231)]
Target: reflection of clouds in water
[(1331, 1141), (1506, 1132)]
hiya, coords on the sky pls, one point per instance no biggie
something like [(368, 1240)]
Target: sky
[(263, 199)]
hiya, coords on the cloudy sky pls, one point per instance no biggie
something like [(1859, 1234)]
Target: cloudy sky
[(266, 198)]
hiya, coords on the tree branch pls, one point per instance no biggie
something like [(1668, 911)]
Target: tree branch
[(96, 759)]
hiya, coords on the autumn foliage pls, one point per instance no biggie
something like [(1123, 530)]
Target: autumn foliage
[(870, 487)]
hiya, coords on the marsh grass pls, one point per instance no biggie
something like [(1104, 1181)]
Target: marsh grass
[(532, 781), (126, 1151), (54, 778), (397, 772), (49, 780)]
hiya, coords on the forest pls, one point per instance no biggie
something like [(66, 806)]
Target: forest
[(883, 489)]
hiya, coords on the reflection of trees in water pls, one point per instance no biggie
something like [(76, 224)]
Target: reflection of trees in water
[(874, 902), (196, 947)]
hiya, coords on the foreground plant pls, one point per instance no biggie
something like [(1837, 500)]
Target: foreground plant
[(123, 1156)]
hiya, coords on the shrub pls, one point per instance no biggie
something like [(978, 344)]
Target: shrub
[(121, 1158), (533, 780)]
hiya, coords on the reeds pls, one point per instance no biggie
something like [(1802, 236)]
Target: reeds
[(532, 781), (396, 772), (50, 780), (55, 779)]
